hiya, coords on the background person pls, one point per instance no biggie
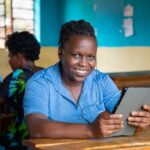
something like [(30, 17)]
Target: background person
[(23, 50)]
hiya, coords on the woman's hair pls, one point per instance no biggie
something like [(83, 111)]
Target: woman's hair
[(25, 43), (73, 28)]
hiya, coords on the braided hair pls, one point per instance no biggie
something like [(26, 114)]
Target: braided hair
[(73, 28), (25, 43)]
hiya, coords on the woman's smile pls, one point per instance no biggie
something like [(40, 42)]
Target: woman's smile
[(81, 72)]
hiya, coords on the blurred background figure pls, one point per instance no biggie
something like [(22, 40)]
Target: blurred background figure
[(23, 49)]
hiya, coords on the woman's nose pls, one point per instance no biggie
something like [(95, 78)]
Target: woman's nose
[(83, 62)]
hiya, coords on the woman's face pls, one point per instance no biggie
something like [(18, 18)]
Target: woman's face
[(14, 61), (78, 57)]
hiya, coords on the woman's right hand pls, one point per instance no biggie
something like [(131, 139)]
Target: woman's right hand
[(106, 124)]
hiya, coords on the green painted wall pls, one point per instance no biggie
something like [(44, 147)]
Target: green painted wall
[(105, 15)]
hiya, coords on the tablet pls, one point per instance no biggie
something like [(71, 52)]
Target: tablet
[(132, 99)]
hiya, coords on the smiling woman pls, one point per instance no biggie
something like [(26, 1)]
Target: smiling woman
[(78, 58), (73, 99)]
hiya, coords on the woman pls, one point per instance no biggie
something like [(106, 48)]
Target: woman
[(76, 99), (23, 50)]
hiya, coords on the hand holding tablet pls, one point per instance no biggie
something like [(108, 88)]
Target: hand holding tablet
[(130, 104)]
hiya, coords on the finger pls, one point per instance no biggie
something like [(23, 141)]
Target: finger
[(137, 124), (107, 116), (138, 119), (146, 107), (115, 116), (114, 122), (104, 115), (114, 127), (141, 114)]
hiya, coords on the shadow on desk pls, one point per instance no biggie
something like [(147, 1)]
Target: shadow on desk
[(140, 141)]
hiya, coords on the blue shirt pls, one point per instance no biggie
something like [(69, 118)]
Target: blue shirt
[(1, 79), (46, 94)]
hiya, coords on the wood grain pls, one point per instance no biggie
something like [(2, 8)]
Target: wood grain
[(140, 141)]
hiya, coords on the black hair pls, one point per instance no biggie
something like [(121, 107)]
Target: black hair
[(25, 43), (73, 28)]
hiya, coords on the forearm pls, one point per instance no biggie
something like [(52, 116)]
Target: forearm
[(43, 128)]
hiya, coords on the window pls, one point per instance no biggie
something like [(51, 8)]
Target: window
[(15, 15), (22, 15), (2, 24)]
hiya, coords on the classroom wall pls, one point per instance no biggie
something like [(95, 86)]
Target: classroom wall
[(136, 58), (48, 56), (117, 53), (47, 21), (106, 16)]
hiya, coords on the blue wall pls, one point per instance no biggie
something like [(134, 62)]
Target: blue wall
[(47, 31), (107, 19)]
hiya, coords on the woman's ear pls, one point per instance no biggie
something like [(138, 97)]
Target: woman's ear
[(20, 58), (20, 55), (60, 53)]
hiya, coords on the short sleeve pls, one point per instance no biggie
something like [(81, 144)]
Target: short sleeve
[(1, 79), (111, 93), (36, 97)]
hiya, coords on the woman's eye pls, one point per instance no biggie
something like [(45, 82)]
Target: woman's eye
[(76, 56), (91, 57)]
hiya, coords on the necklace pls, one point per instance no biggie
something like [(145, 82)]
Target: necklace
[(75, 93)]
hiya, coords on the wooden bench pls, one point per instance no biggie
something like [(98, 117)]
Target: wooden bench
[(131, 80)]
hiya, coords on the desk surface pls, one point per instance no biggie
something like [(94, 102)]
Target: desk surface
[(141, 141)]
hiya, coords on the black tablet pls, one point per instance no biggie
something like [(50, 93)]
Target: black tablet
[(132, 99)]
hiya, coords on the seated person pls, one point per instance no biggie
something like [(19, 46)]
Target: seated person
[(72, 99), (23, 50)]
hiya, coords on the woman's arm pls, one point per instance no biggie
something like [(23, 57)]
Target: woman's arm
[(40, 127), (105, 124)]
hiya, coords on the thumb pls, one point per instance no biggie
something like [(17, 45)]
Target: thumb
[(105, 115)]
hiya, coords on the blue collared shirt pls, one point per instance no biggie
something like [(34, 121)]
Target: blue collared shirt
[(46, 94), (1, 79)]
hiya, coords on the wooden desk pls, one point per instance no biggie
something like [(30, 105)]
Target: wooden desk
[(141, 141), (128, 81)]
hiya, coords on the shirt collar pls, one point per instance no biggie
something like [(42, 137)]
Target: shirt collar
[(55, 78)]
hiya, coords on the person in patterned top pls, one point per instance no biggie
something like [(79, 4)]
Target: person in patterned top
[(23, 50)]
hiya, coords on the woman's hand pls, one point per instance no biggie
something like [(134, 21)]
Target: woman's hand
[(140, 119), (106, 124)]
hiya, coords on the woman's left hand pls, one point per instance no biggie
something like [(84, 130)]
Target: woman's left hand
[(140, 119)]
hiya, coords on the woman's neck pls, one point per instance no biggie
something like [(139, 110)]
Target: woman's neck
[(67, 80), (74, 88), (31, 65)]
